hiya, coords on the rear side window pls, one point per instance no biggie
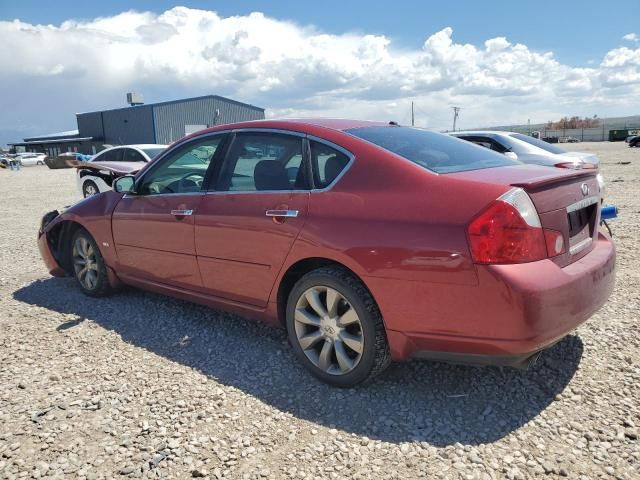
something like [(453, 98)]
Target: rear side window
[(433, 151), (327, 163), (485, 142), (536, 142), (110, 156), (130, 155)]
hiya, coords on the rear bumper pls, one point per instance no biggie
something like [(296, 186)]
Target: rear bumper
[(514, 312)]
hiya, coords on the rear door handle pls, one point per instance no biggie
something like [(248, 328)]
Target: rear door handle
[(282, 213), (181, 213)]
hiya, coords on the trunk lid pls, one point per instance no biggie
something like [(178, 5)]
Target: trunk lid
[(567, 201)]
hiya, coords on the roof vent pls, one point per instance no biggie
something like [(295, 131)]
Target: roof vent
[(134, 99)]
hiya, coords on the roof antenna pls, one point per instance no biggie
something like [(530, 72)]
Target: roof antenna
[(394, 123)]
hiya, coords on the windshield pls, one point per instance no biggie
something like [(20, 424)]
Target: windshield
[(153, 152), (538, 143), (434, 151)]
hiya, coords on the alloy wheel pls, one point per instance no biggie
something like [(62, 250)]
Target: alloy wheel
[(90, 190), (328, 330), (85, 263)]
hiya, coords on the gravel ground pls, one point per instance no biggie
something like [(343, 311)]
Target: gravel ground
[(141, 385)]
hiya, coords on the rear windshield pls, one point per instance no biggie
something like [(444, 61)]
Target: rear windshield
[(153, 152), (536, 142), (434, 151)]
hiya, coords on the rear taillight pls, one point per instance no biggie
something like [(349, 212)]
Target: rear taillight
[(555, 242), (577, 165), (508, 231)]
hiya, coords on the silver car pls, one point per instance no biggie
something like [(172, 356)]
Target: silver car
[(528, 149)]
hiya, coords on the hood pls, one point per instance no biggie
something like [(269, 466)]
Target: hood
[(120, 168)]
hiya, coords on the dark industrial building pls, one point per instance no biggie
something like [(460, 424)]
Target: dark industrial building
[(162, 123)]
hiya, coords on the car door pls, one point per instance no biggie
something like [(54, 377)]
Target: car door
[(153, 228), (245, 226)]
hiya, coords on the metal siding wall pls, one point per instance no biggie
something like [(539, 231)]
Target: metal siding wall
[(90, 124), (129, 125), (170, 119)]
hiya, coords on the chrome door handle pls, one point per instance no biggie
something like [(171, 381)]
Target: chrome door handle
[(181, 213), (282, 213)]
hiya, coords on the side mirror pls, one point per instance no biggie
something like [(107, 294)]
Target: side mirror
[(124, 184), (511, 155)]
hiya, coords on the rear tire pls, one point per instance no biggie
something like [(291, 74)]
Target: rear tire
[(336, 329), (88, 266), (89, 188)]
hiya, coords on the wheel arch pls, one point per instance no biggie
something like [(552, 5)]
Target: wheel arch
[(59, 239), (300, 268)]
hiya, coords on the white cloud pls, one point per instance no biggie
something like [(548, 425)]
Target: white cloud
[(631, 37), (53, 71)]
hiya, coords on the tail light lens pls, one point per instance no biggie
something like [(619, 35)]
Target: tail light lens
[(577, 165), (508, 231), (555, 242)]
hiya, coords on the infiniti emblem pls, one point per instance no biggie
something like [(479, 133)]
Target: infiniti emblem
[(585, 189)]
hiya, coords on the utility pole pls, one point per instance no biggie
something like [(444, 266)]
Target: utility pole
[(456, 112), (413, 116)]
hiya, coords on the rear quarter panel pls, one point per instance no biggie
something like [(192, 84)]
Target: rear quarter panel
[(389, 218)]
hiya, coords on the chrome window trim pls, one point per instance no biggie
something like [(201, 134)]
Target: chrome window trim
[(313, 138), (156, 195), (342, 150), (580, 204), (294, 133), (252, 192)]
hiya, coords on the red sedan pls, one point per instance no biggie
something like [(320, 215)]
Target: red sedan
[(368, 242)]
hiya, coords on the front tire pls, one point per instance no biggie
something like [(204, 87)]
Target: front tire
[(89, 268), (336, 329)]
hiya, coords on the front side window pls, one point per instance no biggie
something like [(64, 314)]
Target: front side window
[(433, 151), (262, 162), (327, 163), (183, 171)]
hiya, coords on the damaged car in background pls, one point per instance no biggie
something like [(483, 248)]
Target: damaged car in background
[(97, 174)]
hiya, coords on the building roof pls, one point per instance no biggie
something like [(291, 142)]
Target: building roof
[(182, 100), (66, 134), (50, 140)]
